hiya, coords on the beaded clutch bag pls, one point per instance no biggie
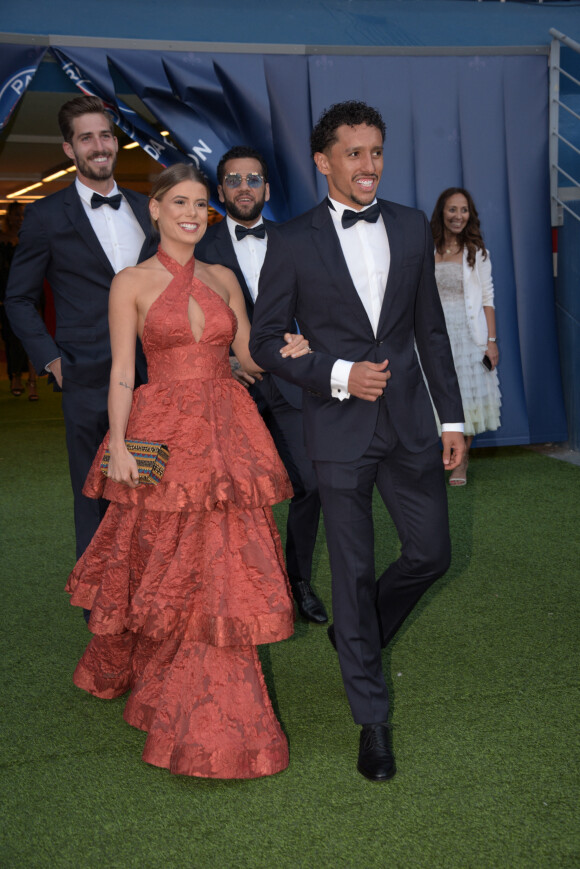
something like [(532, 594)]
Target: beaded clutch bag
[(151, 460)]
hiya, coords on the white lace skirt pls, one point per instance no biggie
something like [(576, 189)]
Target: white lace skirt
[(479, 387)]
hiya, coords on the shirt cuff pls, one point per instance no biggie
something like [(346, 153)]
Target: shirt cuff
[(46, 368), (339, 379), (453, 426)]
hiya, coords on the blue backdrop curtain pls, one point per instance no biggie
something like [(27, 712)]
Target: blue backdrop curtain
[(474, 121)]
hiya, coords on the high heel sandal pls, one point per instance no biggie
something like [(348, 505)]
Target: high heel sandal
[(32, 393), (16, 389)]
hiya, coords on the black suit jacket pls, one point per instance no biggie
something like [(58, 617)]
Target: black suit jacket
[(305, 276), (216, 246), (57, 242)]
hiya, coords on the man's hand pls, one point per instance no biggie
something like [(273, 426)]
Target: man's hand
[(368, 380), (56, 370), (453, 449)]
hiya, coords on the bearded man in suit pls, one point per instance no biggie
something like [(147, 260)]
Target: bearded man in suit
[(78, 239), (240, 242), (357, 273)]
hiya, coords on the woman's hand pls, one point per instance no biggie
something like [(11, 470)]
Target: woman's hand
[(123, 467), (493, 353), (242, 376), (296, 345)]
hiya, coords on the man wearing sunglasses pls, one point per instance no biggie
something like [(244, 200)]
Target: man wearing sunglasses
[(240, 242)]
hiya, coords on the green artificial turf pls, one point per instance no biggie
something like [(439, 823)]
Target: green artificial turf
[(483, 677)]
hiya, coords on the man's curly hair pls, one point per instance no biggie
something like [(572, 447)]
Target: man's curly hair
[(352, 113)]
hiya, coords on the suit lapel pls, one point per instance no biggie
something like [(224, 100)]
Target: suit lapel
[(225, 255), (396, 247), (82, 225), (141, 212), (326, 240)]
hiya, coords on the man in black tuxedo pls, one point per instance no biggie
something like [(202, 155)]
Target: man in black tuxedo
[(78, 239), (357, 274), (240, 242)]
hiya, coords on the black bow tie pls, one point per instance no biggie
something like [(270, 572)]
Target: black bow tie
[(114, 201), (371, 215), (242, 231)]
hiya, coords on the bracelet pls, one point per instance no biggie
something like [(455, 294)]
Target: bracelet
[(493, 340)]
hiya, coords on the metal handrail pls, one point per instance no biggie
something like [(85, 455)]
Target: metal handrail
[(566, 142), (557, 205), (567, 208), (569, 177), (568, 109)]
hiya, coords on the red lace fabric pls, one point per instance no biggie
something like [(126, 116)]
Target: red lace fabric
[(185, 578)]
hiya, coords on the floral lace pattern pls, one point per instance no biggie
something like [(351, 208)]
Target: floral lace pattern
[(184, 579)]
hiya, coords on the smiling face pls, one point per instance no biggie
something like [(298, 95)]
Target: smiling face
[(353, 165), (181, 214), (243, 203), (455, 214), (93, 150)]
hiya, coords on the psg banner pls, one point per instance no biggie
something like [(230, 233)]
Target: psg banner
[(18, 64), (93, 70), (92, 76), (210, 102)]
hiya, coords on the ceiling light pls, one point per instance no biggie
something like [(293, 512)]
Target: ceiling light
[(131, 145), (54, 176), (24, 190)]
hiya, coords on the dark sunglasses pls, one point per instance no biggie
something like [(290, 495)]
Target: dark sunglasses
[(234, 179)]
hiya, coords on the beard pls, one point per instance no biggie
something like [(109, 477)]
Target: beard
[(247, 213), (357, 201), (354, 198), (101, 173)]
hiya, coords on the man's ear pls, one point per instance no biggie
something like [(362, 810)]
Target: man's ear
[(267, 193), (67, 148), (220, 191), (321, 162)]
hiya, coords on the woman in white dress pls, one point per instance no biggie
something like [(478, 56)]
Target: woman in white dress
[(463, 273)]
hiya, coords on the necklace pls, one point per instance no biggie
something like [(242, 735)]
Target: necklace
[(453, 252)]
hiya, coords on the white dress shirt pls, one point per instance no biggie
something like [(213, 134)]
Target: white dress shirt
[(119, 232), (251, 253), (368, 256)]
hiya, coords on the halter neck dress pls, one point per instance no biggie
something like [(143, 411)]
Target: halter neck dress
[(184, 579)]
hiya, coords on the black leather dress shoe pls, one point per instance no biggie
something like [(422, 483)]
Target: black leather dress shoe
[(375, 755), (309, 606)]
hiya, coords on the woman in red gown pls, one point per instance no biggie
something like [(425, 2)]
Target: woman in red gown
[(185, 578)]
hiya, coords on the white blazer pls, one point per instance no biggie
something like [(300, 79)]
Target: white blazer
[(478, 292)]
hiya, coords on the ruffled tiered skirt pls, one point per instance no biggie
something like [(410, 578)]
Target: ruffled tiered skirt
[(185, 579)]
